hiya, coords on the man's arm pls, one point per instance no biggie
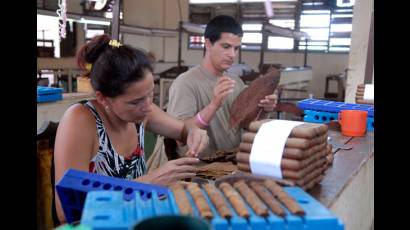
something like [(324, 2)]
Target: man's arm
[(223, 88)]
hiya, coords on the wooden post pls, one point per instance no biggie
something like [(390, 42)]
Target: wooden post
[(368, 74), (305, 56), (179, 44), (263, 46), (115, 23)]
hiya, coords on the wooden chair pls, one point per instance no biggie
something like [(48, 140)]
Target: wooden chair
[(46, 219), (340, 94)]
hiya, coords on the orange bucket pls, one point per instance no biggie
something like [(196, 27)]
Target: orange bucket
[(353, 122)]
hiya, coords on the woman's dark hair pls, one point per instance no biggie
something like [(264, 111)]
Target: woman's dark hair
[(113, 68), (220, 24)]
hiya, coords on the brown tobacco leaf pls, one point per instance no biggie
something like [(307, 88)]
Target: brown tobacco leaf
[(221, 156), (245, 108)]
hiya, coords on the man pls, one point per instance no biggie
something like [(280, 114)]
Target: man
[(204, 94)]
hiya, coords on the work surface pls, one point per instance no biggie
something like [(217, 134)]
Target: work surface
[(346, 165), (53, 111), (348, 186)]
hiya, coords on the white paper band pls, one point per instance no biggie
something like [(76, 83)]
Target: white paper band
[(268, 145), (368, 92)]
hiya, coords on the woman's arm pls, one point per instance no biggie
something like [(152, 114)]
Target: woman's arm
[(188, 133), (74, 145)]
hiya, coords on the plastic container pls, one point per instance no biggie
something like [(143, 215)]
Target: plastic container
[(353, 123)]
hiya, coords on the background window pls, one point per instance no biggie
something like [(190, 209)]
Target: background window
[(328, 23)]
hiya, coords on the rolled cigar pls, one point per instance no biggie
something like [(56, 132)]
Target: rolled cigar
[(314, 182), (371, 102), (268, 198), (306, 174), (315, 173), (305, 130), (329, 158), (312, 179), (290, 153), (200, 201), (235, 199), (181, 199), (253, 200), (287, 164), (291, 142), (284, 198), (289, 174), (217, 200), (284, 163)]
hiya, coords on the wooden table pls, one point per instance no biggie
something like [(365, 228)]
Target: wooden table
[(53, 111), (348, 186)]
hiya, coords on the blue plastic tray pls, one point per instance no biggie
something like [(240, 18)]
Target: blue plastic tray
[(333, 106), (45, 94), (108, 210), (74, 186)]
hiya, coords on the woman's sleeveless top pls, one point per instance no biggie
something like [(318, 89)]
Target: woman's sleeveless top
[(108, 162)]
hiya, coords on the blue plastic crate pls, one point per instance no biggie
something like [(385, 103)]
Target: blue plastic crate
[(333, 106), (319, 116), (45, 94), (73, 188), (370, 124), (108, 210)]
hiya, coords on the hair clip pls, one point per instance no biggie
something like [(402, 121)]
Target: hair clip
[(115, 43), (88, 67)]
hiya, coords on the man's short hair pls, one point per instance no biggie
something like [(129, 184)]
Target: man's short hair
[(221, 24)]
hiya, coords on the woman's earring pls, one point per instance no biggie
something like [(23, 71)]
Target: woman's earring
[(107, 109)]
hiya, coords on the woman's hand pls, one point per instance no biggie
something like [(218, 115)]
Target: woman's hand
[(197, 140), (270, 101), (172, 171)]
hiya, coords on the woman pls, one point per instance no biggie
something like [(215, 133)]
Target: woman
[(105, 135)]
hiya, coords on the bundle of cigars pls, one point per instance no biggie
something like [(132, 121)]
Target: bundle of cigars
[(305, 158), (360, 95), (260, 196)]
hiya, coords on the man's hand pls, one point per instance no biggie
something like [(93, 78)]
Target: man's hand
[(172, 171), (269, 102), (197, 140), (223, 87)]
